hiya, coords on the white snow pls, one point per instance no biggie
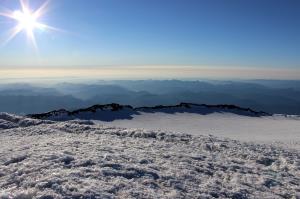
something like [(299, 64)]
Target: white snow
[(79, 159), (279, 129)]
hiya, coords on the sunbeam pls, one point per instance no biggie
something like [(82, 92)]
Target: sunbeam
[(27, 20)]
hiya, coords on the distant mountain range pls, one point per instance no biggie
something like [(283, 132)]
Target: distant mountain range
[(110, 112), (282, 97)]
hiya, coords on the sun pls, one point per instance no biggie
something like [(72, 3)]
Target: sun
[(27, 20)]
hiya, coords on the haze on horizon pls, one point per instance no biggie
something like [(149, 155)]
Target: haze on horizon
[(136, 39)]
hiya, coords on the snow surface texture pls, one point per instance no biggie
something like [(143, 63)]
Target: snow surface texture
[(79, 159), (276, 129)]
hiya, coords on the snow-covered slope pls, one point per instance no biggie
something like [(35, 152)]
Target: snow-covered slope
[(220, 120), (79, 159), (278, 129)]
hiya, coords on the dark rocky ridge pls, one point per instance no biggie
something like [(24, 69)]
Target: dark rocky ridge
[(110, 112)]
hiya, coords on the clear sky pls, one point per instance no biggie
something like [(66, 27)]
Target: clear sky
[(210, 33)]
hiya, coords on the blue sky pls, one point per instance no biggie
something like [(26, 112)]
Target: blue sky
[(226, 33)]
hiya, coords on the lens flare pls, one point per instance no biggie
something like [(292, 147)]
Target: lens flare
[(27, 20)]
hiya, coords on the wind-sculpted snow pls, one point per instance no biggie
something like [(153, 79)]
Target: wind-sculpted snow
[(8, 121), (79, 159)]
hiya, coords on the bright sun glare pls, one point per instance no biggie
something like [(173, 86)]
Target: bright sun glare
[(27, 20)]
